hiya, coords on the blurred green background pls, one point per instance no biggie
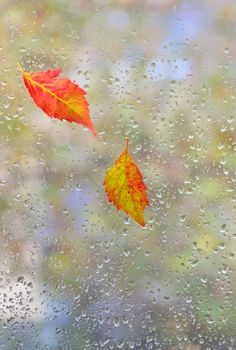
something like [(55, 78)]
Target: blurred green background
[(74, 273)]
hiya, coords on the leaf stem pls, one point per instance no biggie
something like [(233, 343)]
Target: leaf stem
[(127, 144), (20, 68)]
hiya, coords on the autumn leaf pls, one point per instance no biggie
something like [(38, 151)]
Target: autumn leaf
[(125, 187), (58, 97)]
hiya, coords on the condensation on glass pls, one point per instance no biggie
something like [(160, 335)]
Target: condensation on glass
[(74, 272)]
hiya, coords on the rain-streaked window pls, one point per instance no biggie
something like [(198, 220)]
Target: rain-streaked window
[(75, 272)]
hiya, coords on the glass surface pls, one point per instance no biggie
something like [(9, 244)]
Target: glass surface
[(75, 273)]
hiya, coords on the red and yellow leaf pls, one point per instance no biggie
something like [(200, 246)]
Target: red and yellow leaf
[(58, 97), (125, 187)]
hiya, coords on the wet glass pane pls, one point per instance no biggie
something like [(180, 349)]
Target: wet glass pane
[(75, 273)]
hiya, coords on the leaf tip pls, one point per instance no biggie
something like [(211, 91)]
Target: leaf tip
[(141, 221), (93, 131)]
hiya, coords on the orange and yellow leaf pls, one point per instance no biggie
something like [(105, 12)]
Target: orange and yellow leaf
[(125, 187), (58, 97)]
